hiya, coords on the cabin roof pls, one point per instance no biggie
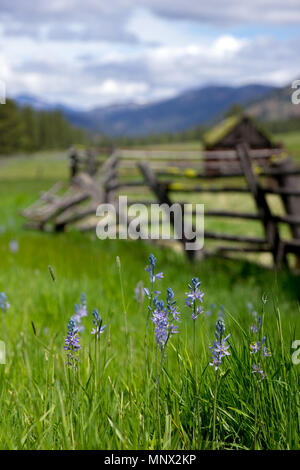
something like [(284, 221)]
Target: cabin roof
[(215, 135)]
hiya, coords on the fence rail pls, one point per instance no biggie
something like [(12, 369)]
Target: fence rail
[(148, 176)]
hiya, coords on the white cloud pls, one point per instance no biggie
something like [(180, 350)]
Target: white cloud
[(5, 70), (127, 50), (110, 20), (232, 12), (118, 89), (227, 46)]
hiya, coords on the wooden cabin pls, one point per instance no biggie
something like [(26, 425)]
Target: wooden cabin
[(220, 143)]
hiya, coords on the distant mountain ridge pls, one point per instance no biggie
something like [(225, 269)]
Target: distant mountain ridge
[(189, 109), (275, 106), (39, 104), (177, 114)]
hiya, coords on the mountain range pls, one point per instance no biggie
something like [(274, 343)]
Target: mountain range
[(275, 106), (189, 109)]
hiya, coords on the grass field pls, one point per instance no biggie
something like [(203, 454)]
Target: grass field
[(290, 140), (125, 394)]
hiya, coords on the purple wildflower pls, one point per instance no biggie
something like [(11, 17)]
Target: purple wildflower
[(258, 346), (99, 329), (139, 292), (220, 328), (151, 269), (159, 276), (160, 320), (193, 296), (195, 314), (266, 352), (4, 304), (163, 318), (250, 307), (255, 347), (219, 349), (72, 344), (211, 310), (146, 290), (151, 293), (148, 294), (80, 313), (14, 246), (257, 369), (171, 305), (255, 327)]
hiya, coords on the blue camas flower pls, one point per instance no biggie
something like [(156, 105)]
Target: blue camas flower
[(194, 297), (160, 320), (151, 293), (98, 328), (255, 347), (139, 292), (171, 305), (163, 318), (256, 369), (151, 269), (211, 309), (255, 327), (80, 313), (266, 352), (72, 344), (258, 346), (219, 349), (4, 305)]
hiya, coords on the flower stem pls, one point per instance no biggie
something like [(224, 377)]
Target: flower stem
[(255, 422), (215, 409)]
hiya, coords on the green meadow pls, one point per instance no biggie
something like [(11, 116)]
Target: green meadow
[(125, 393)]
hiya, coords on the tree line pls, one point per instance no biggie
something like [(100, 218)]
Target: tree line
[(23, 129)]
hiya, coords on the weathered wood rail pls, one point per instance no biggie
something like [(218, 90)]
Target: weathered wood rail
[(87, 160), (165, 176)]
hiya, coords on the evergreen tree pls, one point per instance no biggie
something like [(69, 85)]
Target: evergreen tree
[(12, 131), (28, 130)]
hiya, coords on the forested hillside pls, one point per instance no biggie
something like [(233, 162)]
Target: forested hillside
[(25, 129)]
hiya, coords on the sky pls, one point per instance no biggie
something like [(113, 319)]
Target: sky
[(88, 53)]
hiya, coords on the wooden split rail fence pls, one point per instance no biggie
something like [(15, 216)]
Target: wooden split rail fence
[(163, 176)]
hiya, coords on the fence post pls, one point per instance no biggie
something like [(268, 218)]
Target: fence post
[(109, 172), (291, 203), (162, 195), (270, 226), (74, 160), (91, 162)]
